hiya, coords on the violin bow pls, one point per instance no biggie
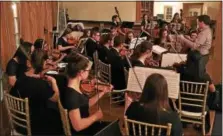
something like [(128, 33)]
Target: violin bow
[(175, 45), (96, 76)]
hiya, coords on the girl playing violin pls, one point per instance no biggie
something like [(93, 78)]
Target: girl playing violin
[(142, 55), (76, 102), (63, 44)]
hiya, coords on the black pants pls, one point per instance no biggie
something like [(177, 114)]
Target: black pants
[(203, 62)]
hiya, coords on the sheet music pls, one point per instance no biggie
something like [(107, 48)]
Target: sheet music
[(173, 80), (168, 59), (158, 50), (140, 40)]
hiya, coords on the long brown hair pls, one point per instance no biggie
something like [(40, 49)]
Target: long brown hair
[(155, 93)]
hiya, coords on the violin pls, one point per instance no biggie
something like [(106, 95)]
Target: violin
[(90, 87), (55, 54), (72, 41), (135, 96), (151, 62)]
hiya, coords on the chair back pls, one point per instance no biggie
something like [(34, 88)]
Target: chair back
[(104, 72), (18, 110), (95, 57), (64, 118), (81, 45), (143, 128), (193, 95)]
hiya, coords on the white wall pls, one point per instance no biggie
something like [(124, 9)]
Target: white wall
[(100, 11), (159, 7)]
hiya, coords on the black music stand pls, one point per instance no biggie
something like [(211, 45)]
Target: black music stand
[(127, 24)]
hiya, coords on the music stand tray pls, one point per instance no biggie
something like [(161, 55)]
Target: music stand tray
[(127, 24)]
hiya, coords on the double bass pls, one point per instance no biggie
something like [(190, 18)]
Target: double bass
[(120, 30)]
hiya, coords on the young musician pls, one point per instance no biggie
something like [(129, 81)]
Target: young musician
[(17, 65), (63, 44), (153, 106), (176, 18), (144, 25), (163, 39), (87, 34), (192, 37), (203, 41), (41, 44), (77, 103), (129, 37), (39, 91), (116, 23), (191, 71), (92, 43), (103, 51), (117, 64), (141, 53)]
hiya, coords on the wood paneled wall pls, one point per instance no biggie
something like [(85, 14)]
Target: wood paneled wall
[(214, 66), (34, 17)]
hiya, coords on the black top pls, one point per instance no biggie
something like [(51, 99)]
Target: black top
[(74, 100), (15, 69), (103, 53), (137, 63), (143, 23), (138, 112), (91, 47), (62, 42), (117, 70), (38, 92), (188, 74)]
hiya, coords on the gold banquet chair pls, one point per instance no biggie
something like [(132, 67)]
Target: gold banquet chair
[(18, 111), (95, 57), (143, 128), (64, 118), (104, 74), (193, 95)]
